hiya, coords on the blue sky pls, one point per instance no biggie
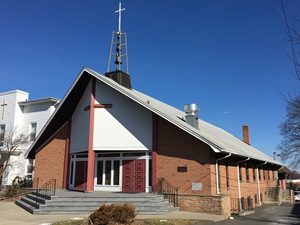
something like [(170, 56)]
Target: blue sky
[(229, 57)]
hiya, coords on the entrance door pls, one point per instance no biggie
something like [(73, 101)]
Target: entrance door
[(133, 175), (80, 175)]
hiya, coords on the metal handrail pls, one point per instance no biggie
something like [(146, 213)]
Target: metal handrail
[(47, 190), (168, 191)]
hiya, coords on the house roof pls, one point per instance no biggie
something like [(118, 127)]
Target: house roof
[(218, 139), (39, 101)]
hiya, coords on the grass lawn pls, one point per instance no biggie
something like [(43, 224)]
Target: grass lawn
[(145, 222)]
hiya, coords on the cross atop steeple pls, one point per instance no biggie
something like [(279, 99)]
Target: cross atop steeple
[(119, 43), (120, 15), (119, 40)]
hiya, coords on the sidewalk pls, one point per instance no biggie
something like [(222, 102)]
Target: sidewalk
[(11, 214)]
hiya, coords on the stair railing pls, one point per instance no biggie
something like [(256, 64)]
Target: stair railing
[(168, 191), (47, 190)]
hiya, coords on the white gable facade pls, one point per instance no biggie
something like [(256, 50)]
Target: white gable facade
[(122, 130), (19, 115)]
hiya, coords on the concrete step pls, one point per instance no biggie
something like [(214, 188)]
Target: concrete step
[(115, 199), (44, 212), (25, 206), (98, 203), (91, 208), (36, 198), (30, 201), (76, 203)]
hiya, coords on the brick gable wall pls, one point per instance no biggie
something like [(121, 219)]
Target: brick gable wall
[(50, 159), (176, 148)]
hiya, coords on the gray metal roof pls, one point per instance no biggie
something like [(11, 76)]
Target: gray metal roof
[(39, 101), (218, 139)]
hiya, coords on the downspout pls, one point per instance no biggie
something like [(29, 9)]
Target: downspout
[(239, 183), (217, 172), (258, 182)]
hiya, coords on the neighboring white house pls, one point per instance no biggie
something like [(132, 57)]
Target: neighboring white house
[(18, 114)]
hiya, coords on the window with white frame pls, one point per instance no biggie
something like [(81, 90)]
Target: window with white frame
[(30, 167), (32, 134), (2, 133)]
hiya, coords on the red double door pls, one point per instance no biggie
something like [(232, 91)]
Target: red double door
[(134, 175)]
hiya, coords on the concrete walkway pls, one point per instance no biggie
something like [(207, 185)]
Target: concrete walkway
[(11, 214), (184, 216)]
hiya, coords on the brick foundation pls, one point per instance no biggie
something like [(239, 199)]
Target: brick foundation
[(205, 204)]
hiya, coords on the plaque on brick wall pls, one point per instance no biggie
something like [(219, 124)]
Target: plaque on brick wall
[(181, 169), (196, 186)]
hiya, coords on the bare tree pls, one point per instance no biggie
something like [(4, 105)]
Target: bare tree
[(290, 128), (291, 18), (12, 143)]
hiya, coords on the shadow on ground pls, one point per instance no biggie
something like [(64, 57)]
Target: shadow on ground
[(296, 210)]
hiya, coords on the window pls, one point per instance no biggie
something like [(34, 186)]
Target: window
[(259, 174), (254, 173), (32, 135), (219, 177), (264, 174), (227, 174), (240, 173), (150, 172), (116, 172), (2, 132), (30, 167), (99, 172), (247, 173), (108, 172), (268, 174)]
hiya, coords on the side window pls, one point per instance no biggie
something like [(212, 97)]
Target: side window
[(30, 167), (253, 173), (247, 174), (32, 134), (2, 133), (240, 173)]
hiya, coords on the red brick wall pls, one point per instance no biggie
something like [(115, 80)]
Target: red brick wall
[(249, 188), (49, 160), (176, 148)]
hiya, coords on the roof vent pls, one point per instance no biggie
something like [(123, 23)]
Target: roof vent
[(191, 117)]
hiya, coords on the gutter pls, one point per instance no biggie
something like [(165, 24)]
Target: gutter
[(217, 172), (258, 182), (239, 182)]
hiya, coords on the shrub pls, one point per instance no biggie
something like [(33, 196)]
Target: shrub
[(113, 215), (11, 191)]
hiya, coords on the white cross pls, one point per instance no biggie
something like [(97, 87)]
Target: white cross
[(3, 105), (120, 14)]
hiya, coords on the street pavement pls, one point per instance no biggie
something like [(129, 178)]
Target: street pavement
[(286, 214), (11, 214)]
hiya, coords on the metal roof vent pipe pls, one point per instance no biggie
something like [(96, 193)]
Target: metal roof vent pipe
[(191, 117)]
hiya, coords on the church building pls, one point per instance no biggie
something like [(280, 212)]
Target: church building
[(107, 136)]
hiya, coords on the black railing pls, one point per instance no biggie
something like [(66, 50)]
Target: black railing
[(46, 191), (168, 191)]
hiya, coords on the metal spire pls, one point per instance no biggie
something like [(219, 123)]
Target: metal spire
[(119, 39)]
